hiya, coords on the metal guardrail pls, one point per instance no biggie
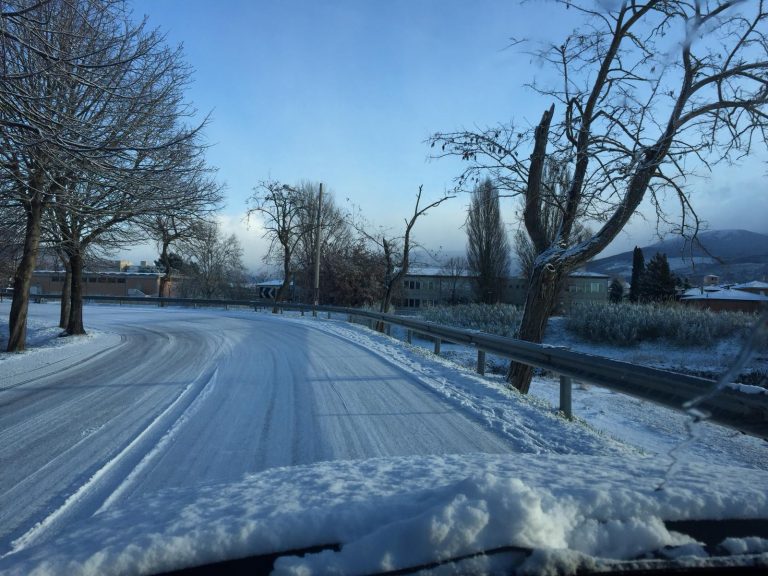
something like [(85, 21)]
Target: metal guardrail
[(747, 413)]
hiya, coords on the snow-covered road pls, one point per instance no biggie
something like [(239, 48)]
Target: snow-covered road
[(175, 398), (172, 438)]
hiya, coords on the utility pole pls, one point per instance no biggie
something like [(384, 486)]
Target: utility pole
[(316, 298)]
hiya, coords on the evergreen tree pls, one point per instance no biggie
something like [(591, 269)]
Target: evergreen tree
[(176, 262), (658, 282), (638, 267), (615, 291)]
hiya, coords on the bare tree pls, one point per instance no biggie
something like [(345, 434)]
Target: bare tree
[(455, 268), (283, 214), (92, 108), (10, 248), (649, 92), (487, 243), (396, 250), (214, 265), (351, 275), (167, 230), (169, 225), (335, 232)]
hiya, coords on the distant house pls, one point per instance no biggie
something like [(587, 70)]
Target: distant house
[(720, 299), (424, 286), (428, 286), (583, 287), (515, 290), (100, 283)]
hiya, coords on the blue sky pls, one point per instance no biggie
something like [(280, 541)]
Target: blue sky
[(346, 92)]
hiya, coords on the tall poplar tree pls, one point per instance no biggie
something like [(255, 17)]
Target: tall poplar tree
[(487, 244)]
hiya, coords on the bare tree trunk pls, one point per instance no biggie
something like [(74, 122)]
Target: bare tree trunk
[(395, 278), (166, 277), (283, 290), (163, 286), (17, 321), (387, 300), (542, 296), (66, 294), (75, 325)]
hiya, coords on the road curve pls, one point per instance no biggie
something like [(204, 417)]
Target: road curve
[(190, 397)]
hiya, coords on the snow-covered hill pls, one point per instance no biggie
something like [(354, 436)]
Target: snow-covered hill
[(734, 255)]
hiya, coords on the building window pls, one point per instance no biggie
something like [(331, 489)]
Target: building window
[(121, 280), (412, 284), (413, 303), (594, 287)]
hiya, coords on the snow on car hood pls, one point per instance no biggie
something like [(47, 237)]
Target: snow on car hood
[(391, 513)]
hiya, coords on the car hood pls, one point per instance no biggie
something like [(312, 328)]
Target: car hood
[(527, 512)]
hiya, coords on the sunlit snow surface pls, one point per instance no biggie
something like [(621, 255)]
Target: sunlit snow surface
[(398, 512), (575, 497)]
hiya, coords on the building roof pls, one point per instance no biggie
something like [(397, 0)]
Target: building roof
[(101, 273), (754, 284), (699, 290), (722, 294), (584, 274), (435, 271)]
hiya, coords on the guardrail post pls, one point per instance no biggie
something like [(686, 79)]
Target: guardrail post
[(566, 387), (387, 328), (437, 346), (329, 315), (481, 362), (409, 336)]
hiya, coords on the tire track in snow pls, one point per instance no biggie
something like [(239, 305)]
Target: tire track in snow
[(114, 476), (159, 446)]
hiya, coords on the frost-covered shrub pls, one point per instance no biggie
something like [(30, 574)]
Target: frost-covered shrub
[(626, 324), (501, 319)]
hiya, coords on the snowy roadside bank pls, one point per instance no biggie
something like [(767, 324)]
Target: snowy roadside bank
[(46, 351)]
